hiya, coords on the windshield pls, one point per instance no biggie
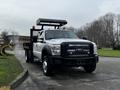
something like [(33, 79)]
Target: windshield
[(56, 34)]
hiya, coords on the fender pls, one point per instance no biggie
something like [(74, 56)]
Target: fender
[(46, 50)]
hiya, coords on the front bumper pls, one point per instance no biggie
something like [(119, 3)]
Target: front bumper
[(74, 61)]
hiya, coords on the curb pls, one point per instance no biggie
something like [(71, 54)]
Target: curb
[(19, 79), (109, 56)]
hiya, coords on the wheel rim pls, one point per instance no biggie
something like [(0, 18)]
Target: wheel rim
[(25, 57), (45, 66)]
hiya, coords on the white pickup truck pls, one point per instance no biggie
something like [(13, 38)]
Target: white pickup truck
[(57, 47)]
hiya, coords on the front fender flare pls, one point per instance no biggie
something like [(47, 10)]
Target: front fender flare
[(46, 50)]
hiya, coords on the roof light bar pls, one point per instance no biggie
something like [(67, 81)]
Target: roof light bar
[(51, 22)]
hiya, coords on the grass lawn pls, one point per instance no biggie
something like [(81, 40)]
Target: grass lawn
[(108, 52), (9, 69)]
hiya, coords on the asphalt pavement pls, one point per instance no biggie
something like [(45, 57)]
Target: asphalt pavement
[(105, 77)]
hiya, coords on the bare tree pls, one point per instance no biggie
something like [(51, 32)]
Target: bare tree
[(4, 36), (100, 31)]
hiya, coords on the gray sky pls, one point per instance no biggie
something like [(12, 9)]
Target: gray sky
[(20, 15)]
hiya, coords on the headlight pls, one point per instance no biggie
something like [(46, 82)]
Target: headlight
[(95, 48), (55, 49)]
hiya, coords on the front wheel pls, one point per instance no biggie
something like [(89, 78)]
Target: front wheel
[(90, 68), (46, 66)]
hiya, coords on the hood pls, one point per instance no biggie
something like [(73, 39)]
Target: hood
[(59, 41)]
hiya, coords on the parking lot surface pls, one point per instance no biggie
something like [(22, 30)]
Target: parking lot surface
[(106, 76)]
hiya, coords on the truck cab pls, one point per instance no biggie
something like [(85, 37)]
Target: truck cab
[(60, 47)]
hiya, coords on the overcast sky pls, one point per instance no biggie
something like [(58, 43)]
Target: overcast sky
[(20, 15)]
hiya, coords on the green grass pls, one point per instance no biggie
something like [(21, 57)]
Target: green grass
[(108, 52), (10, 68)]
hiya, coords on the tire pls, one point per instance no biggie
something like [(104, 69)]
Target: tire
[(46, 66), (90, 68), (28, 56)]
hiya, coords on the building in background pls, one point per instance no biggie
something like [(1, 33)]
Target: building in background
[(17, 39)]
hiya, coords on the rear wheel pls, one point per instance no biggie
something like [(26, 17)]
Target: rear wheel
[(90, 68), (46, 66), (28, 57)]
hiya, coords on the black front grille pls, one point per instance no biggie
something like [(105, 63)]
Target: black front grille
[(75, 49)]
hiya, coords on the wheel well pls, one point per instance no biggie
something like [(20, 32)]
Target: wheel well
[(44, 52)]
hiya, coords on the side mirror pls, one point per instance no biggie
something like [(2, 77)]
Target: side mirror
[(40, 40), (85, 38)]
